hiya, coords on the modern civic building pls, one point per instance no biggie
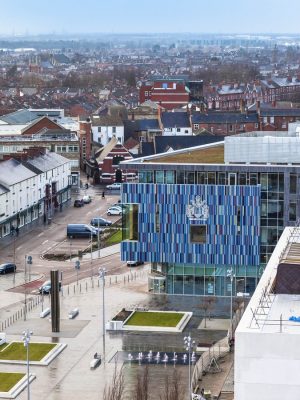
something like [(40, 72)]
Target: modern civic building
[(199, 213)]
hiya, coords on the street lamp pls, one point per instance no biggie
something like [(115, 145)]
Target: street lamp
[(231, 275), (102, 272), (26, 340), (189, 345)]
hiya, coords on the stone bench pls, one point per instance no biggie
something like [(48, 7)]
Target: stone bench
[(96, 361), (45, 313), (73, 314)]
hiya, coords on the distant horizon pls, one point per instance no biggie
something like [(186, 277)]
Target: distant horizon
[(139, 17)]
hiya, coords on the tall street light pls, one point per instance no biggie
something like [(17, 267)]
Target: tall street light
[(26, 340), (102, 272), (189, 345), (231, 275)]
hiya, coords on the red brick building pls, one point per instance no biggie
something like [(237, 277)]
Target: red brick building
[(169, 94)]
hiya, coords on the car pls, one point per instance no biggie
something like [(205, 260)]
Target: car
[(7, 267), (46, 287), (114, 211), (82, 230), (78, 203), (86, 199), (134, 263), (122, 206), (98, 221), (114, 186)]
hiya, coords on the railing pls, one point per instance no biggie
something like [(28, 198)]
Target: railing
[(209, 358)]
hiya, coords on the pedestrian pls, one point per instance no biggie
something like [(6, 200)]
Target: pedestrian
[(17, 231), (103, 195)]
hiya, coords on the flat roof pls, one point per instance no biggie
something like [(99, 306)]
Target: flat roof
[(268, 312)]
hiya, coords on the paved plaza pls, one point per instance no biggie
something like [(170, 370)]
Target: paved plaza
[(69, 375)]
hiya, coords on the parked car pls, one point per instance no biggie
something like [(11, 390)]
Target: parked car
[(82, 230), (46, 287), (86, 199), (114, 211), (79, 203), (98, 221), (122, 206), (134, 263), (114, 186), (7, 267)]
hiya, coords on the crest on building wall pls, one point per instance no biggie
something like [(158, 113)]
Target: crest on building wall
[(197, 209)]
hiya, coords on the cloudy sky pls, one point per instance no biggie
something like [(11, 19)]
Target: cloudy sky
[(117, 16)]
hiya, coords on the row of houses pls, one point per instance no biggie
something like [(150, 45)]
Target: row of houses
[(33, 184)]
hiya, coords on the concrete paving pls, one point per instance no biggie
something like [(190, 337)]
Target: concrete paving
[(69, 375), (215, 324)]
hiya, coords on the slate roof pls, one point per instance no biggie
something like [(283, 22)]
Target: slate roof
[(25, 116), (12, 172), (3, 189), (224, 117), (175, 119), (163, 143), (277, 112), (46, 162)]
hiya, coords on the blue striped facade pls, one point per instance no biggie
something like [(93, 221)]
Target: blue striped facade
[(226, 243)]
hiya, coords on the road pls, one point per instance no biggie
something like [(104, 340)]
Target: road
[(39, 239)]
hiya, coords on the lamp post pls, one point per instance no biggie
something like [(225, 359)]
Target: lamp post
[(189, 345), (50, 207), (102, 272), (98, 238), (26, 340), (25, 288), (231, 275), (91, 254)]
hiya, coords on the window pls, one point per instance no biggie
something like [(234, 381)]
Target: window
[(272, 120), (157, 218), (256, 126), (146, 93), (198, 233), (114, 129), (293, 183), (186, 131), (99, 128), (196, 126), (159, 176), (293, 213), (130, 222), (73, 149), (222, 178), (238, 219), (178, 129), (230, 128)]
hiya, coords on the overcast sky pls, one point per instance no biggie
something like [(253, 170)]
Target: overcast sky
[(117, 16)]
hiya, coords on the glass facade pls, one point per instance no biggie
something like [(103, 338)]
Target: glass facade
[(279, 206), (272, 205), (130, 222), (201, 280)]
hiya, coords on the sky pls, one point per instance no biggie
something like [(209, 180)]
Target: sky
[(149, 16)]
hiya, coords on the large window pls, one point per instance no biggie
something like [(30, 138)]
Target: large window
[(292, 211), (130, 222), (293, 183), (198, 233)]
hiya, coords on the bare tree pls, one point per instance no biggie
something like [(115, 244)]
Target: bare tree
[(173, 388), (141, 389), (206, 306), (115, 390)]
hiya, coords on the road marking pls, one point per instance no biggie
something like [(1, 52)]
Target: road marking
[(45, 241), (42, 233)]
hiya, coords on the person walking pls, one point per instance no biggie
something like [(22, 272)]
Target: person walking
[(103, 195)]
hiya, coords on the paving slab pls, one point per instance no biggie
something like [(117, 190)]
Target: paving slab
[(215, 324)]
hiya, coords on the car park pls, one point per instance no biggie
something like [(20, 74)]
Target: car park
[(134, 263), (114, 211), (122, 206), (82, 231), (114, 186), (99, 221), (78, 203), (86, 199), (46, 287), (7, 267)]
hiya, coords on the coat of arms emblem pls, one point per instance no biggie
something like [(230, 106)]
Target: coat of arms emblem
[(197, 209)]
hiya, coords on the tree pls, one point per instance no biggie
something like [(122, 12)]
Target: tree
[(206, 306), (141, 389), (173, 388), (115, 390)]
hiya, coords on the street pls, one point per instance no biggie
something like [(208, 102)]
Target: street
[(39, 239)]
